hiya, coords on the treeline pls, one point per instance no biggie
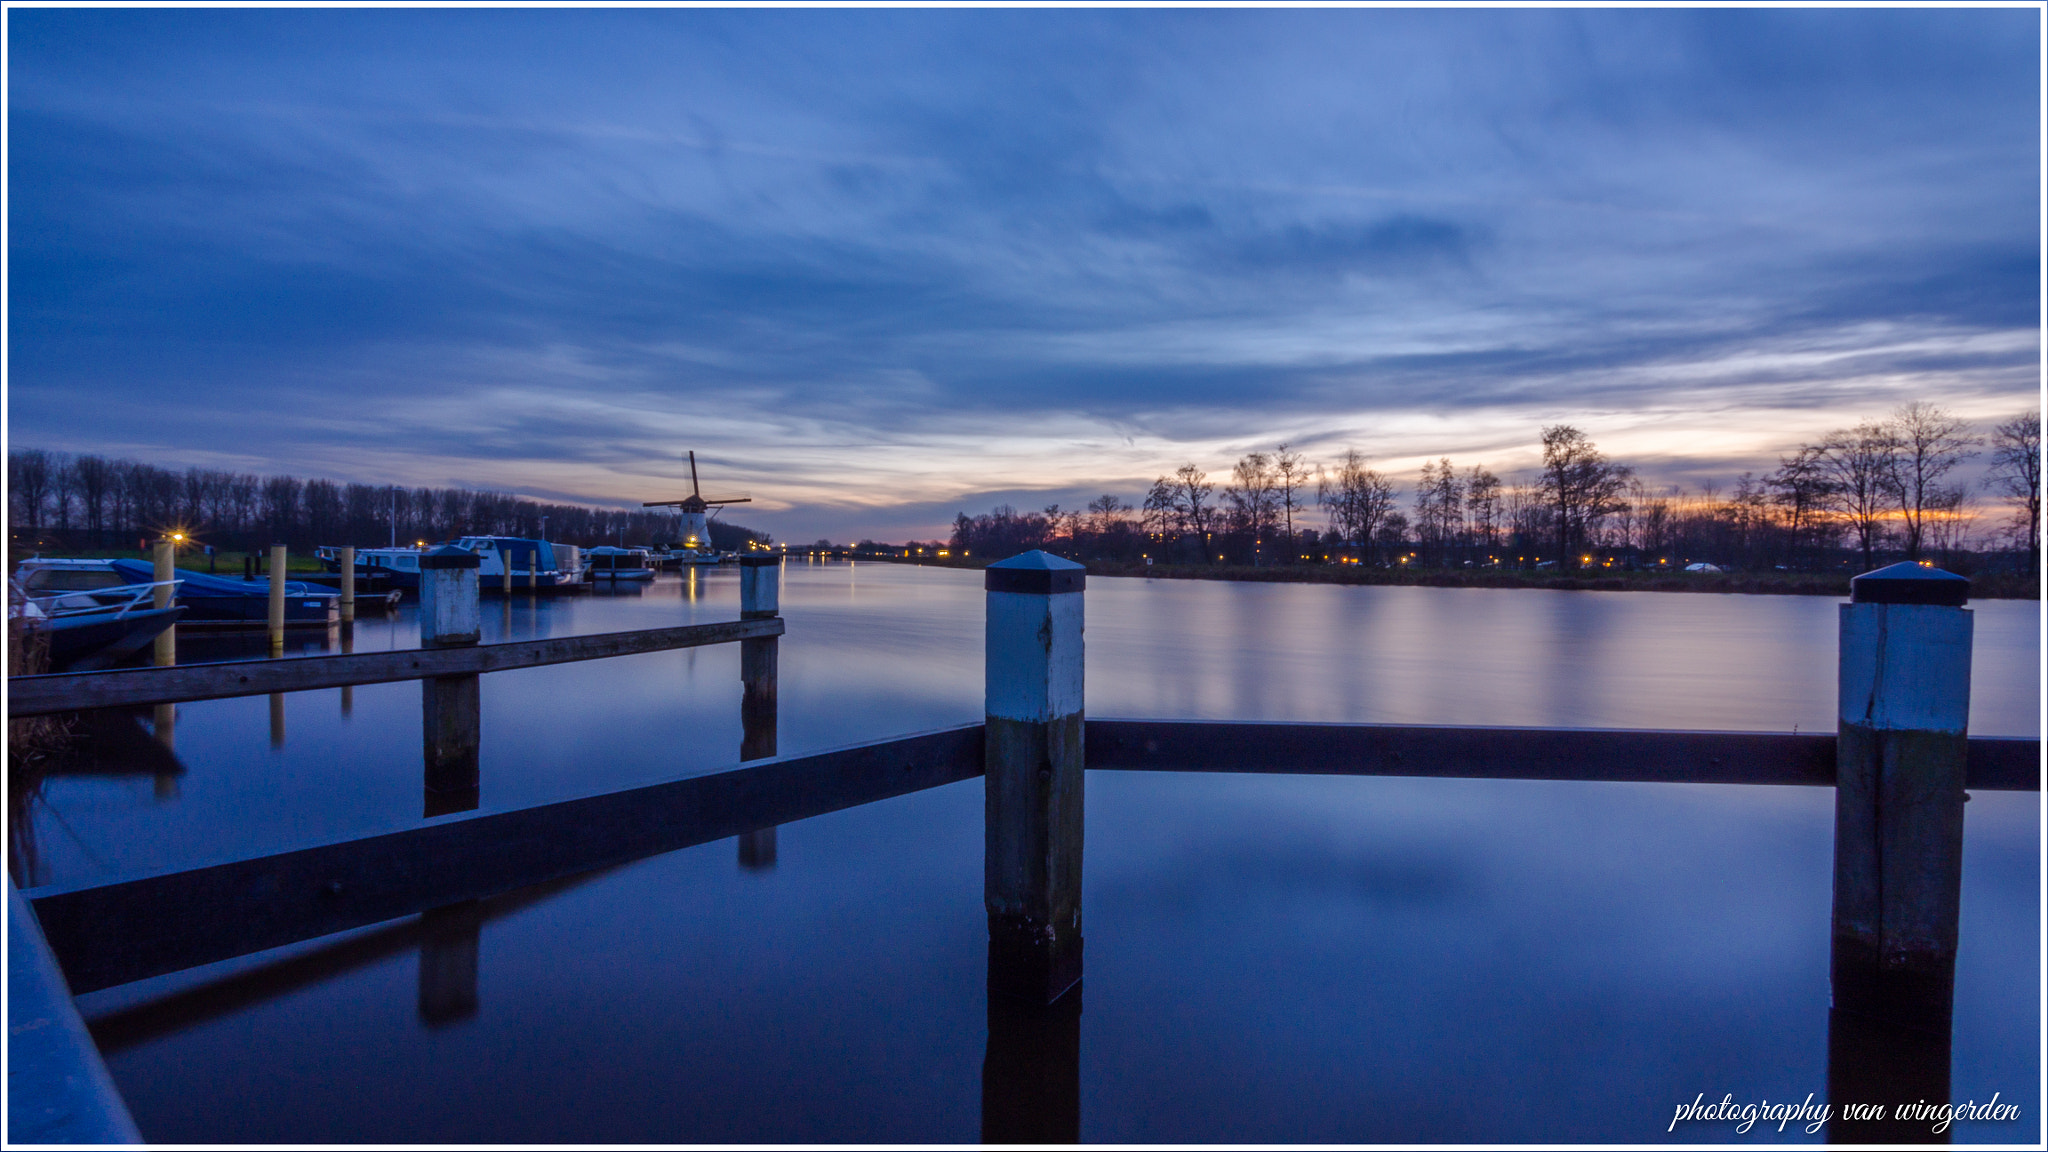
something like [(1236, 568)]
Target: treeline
[(92, 503), (1880, 489)]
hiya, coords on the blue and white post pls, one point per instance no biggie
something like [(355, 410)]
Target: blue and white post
[(450, 707), (760, 599), (1902, 742), (1034, 759)]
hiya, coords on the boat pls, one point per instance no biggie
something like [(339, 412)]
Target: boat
[(609, 563), (534, 563), (209, 601), (92, 628)]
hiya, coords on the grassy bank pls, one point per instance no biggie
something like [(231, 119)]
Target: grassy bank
[(2000, 586)]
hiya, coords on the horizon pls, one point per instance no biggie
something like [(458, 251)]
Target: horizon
[(878, 268)]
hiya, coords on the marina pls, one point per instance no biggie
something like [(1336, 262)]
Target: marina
[(1426, 869)]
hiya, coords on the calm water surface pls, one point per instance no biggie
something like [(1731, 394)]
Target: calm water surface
[(1269, 958)]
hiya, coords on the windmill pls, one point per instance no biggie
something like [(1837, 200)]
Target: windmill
[(696, 528)]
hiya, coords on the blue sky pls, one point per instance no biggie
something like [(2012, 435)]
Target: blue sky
[(881, 266)]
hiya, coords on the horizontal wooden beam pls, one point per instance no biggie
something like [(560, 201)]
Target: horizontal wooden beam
[(115, 933), (1645, 755), (78, 691)]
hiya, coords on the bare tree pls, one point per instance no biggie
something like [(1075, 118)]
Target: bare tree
[(2016, 474), (1254, 500), (28, 481), (1359, 498), (1482, 506), (1439, 510), (1191, 503), (1291, 476), (63, 489), (1932, 444), (1859, 466), (1159, 515), (1581, 485), (93, 479), (1801, 488)]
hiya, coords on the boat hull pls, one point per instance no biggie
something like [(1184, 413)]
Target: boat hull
[(83, 643)]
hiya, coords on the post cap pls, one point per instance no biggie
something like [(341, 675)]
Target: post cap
[(449, 556), (759, 561), (1909, 583), (1036, 572)]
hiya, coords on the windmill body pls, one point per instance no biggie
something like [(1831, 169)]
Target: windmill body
[(693, 545)]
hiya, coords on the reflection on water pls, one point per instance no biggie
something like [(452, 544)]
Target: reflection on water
[(1269, 958)]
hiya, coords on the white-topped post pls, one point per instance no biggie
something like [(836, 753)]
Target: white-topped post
[(1035, 760), (451, 709), (1902, 746), (760, 599)]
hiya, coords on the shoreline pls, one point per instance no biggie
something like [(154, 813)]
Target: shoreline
[(1995, 586)]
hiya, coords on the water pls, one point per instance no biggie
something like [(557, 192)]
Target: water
[(1269, 958)]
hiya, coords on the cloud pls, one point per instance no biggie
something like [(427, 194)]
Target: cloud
[(908, 260)]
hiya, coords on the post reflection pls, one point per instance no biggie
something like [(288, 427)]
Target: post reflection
[(449, 938), (164, 725), (348, 646), (277, 719), (1031, 1073), (1889, 1031)]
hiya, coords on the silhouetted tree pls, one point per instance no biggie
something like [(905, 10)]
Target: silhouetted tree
[(1581, 485), (2016, 475)]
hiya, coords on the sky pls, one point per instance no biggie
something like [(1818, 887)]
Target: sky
[(881, 266)]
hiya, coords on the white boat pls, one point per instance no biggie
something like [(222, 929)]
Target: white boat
[(608, 563), (534, 563), (88, 628)]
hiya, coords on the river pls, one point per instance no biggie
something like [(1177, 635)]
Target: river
[(1269, 958)]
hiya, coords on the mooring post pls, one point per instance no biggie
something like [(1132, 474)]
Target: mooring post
[(1901, 745), (760, 599), (450, 708), (505, 562), (277, 566), (348, 584), (1034, 759), (164, 718), (165, 653)]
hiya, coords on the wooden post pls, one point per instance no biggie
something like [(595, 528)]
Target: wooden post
[(1034, 760), (348, 584), (1901, 745), (277, 566), (166, 652), (760, 599), (450, 706), (505, 562)]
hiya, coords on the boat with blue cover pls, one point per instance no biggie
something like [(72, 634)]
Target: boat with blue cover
[(208, 601)]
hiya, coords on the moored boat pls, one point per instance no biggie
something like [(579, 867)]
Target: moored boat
[(92, 628), (208, 601), (609, 563), (536, 564)]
